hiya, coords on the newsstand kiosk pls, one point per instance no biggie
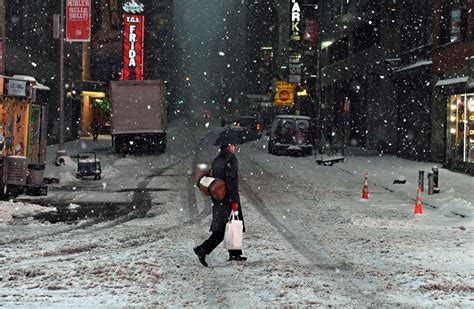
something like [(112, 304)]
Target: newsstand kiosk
[(23, 135)]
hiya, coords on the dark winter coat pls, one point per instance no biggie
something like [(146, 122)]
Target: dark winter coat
[(225, 167)]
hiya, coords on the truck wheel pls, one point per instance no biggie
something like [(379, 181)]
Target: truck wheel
[(117, 144), (117, 147), (162, 147)]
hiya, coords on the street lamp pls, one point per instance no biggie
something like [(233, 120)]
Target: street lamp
[(61, 150)]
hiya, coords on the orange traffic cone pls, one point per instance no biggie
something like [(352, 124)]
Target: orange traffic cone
[(365, 188), (418, 206)]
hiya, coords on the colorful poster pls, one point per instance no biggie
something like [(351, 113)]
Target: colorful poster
[(78, 20)]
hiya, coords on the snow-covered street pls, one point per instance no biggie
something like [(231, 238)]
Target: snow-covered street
[(310, 239)]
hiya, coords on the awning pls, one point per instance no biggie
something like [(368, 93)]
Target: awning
[(414, 65), (452, 81)]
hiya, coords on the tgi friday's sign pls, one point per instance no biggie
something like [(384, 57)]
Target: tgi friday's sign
[(133, 39)]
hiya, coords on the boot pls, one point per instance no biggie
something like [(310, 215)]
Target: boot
[(237, 258), (201, 255)]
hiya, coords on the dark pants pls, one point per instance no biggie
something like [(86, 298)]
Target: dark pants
[(214, 240)]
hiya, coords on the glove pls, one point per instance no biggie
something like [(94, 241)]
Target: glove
[(235, 206)]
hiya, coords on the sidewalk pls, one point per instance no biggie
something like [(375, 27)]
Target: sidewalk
[(66, 173), (456, 189), (456, 196)]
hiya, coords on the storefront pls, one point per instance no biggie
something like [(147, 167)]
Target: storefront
[(460, 129), (94, 107), (453, 123)]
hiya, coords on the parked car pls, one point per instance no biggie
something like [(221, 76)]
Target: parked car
[(206, 115), (248, 128), (291, 135), (227, 119), (249, 122)]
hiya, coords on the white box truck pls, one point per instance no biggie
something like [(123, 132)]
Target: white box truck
[(138, 118)]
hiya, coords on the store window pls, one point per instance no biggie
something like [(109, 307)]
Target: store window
[(453, 21), (461, 127)]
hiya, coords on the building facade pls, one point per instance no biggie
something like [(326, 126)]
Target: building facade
[(358, 99), (452, 120), (28, 48), (412, 74)]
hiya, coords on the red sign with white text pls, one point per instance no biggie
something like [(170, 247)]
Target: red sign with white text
[(78, 20), (133, 37)]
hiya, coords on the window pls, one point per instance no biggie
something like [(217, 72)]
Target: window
[(453, 21), (344, 7), (461, 127), (417, 27), (366, 36), (339, 50), (339, 8)]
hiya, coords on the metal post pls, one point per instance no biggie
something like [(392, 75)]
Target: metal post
[(421, 179), (430, 183), (435, 179), (61, 151)]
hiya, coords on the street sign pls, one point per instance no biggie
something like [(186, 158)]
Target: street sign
[(78, 20), (17, 88), (285, 94)]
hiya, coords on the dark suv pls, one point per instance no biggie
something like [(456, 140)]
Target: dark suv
[(250, 123), (291, 134), (248, 128)]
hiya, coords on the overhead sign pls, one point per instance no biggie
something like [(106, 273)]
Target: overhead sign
[(133, 53), (78, 20), (295, 65), (285, 94), (133, 7), (295, 32)]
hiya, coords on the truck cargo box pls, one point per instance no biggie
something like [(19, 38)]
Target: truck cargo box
[(138, 118)]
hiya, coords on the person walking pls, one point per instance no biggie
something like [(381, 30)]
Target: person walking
[(224, 167), (95, 129)]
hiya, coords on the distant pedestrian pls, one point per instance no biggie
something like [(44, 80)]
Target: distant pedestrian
[(95, 129), (224, 167)]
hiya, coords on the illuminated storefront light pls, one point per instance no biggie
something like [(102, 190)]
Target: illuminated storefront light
[(460, 139)]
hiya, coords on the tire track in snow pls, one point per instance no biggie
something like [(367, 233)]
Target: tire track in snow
[(314, 253), (141, 200)]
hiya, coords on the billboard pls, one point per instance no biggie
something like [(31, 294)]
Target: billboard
[(133, 52), (78, 20), (285, 94)]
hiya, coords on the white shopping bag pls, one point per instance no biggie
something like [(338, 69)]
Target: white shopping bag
[(233, 233)]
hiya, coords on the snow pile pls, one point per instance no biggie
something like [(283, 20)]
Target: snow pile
[(455, 206), (65, 172), (10, 210), (124, 162), (110, 172)]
